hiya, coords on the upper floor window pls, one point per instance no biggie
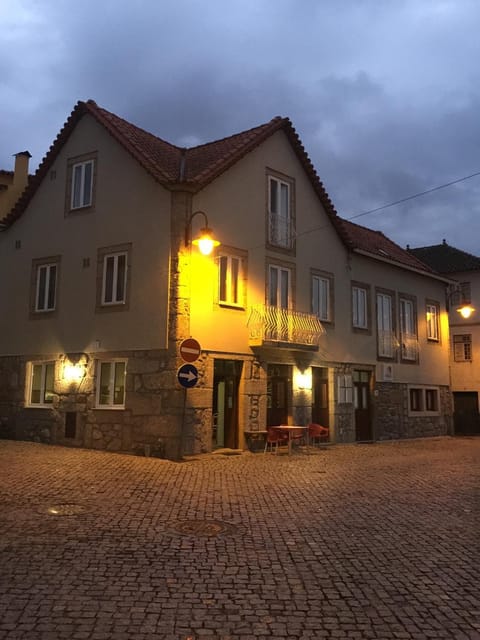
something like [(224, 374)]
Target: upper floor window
[(110, 392), (462, 347), (44, 286), (113, 277), (432, 320), (231, 280), (385, 337), (280, 226), (462, 294), (279, 287), (359, 307), (408, 330), (322, 296), (81, 182), (41, 383)]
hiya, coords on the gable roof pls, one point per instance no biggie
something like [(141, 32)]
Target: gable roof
[(170, 165), (446, 259), (194, 168)]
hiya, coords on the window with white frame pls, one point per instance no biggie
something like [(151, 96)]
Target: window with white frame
[(231, 280), (359, 307), (114, 283), (280, 227), (385, 325), (41, 384), (423, 400), (279, 287), (277, 325), (45, 286), (432, 321), (82, 184), (321, 297), (110, 392), (462, 347), (408, 330)]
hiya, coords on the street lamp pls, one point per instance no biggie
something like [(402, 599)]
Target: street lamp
[(462, 307), (205, 242)]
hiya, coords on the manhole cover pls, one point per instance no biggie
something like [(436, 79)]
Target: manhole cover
[(205, 528), (65, 509)]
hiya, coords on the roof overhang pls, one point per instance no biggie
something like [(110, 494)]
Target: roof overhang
[(402, 265)]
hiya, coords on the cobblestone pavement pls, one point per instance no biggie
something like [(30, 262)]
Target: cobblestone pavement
[(362, 541)]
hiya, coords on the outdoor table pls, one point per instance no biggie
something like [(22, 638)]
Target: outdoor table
[(291, 429)]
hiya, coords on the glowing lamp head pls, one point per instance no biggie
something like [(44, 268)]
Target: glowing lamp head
[(73, 372), (466, 311), (206, 242)]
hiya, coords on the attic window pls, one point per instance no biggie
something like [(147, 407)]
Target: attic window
[(81, 179)]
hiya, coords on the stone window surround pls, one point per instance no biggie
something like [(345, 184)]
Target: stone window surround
[(368, 289), (71, 162), (36, 263), (102, 253)]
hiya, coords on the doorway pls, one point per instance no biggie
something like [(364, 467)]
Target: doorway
[(279, 391), (362, 404), (466, 419), (226, 381), (320, 411)]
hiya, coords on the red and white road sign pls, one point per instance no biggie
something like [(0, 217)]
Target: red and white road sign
[(190, 350)]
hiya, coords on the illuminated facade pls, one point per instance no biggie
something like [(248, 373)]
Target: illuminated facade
[(301, 316)]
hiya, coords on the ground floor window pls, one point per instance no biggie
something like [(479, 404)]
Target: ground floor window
[(111, 384), (423, 400), (40, 383)]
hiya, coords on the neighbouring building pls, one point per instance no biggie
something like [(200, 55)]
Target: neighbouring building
[(301, 316), (464, 268)]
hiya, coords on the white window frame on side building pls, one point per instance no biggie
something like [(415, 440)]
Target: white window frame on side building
[(113, 397), (41, 381)]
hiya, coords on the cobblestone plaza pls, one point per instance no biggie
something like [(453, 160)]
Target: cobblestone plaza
[(351, 541)]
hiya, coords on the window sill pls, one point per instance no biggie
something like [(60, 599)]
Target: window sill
[(110, 408), (228, 305), (39, 406)]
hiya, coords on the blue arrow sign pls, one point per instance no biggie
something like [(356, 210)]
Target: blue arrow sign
[(187, 375)]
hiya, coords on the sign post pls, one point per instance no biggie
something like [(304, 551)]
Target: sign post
[(187, 375)]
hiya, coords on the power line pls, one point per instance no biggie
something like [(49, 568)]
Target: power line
[(415, 195)]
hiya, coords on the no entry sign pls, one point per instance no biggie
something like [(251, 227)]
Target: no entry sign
[(190, 350)]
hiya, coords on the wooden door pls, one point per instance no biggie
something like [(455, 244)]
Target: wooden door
[(465, 417), (226, 381), (278, 394), (320, 411), (362, 404)]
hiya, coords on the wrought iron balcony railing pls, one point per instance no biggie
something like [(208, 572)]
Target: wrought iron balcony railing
[(274, 325)]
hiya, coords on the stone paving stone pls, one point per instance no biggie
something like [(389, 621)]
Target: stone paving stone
[(366, 541)]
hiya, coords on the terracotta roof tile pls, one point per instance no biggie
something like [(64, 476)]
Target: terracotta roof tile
[(378, 245), (446, 259)]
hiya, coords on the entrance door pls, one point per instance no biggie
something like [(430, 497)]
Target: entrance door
[(320, 413), (226, 380), (465, 417), (278, 394), (361, 399)]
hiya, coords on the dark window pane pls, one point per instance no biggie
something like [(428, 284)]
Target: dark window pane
[(121, 270), (51, 287)]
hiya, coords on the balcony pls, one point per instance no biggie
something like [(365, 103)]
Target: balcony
[(272, 326)]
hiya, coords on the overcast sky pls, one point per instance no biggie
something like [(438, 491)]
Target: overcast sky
[(385, 94)]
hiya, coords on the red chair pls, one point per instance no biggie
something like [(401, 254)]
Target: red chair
[(274, 439), (318, 434)]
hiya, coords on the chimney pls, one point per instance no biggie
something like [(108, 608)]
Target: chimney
[(20, 174)]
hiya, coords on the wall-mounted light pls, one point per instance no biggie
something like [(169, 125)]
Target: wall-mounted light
[(303, 380), (205, 242), (462, 306), (75, 367)]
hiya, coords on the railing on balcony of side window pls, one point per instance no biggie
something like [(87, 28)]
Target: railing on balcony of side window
[(273, 325), (409, 346), (280, 231)]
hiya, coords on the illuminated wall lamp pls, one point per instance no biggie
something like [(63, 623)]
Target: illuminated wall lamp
[(206, 242), (73, 372), (465, 311), (304, 381)]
